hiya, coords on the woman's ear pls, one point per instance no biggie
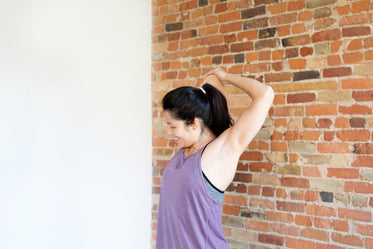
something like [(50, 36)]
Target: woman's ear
[(196, 123)]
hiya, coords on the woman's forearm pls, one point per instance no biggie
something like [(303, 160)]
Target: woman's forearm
[(253, 88)]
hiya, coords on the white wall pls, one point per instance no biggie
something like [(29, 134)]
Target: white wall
[(75, 124)]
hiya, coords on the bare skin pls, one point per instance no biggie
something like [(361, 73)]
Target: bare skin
[(220, 158)]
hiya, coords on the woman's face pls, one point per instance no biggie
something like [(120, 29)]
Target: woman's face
[(184, 134)]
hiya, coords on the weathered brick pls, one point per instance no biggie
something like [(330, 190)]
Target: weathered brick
[(322, 13), (267, 33), (218, 49), (268, 43), (359, 215), (287, 170), (355, 109), (326, 185), (296, 41), (318, 3), (337, 72), (302, 147), (315, 234), (320, 211), (255, 24), (301, 98), (321, 109), (295, 182), (333, 148), (169, 27), (353, 135), (283, 19), (356, 31), (259, 2), (359, 187), (305, 75), (363, 95), (271, 239), (253, 12), (277, 8), (290, 206), (363, 161), (327, 35), (352, 240), (230, 27), (343, 173), (334, 96), (277, 77), (356, 19), (266, 179), (306, 86), (240, 47), (360, 83), (363, 148)]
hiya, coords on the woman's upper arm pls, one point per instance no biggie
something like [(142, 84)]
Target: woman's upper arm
[(249, 123)]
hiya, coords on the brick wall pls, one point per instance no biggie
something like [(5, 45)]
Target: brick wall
[(306, 181)]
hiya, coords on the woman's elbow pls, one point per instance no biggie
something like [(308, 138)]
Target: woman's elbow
[(269, 94)]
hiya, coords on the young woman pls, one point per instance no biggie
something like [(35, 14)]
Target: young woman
[(194, 181)]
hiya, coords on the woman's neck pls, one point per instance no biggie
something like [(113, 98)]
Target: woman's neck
[(204, 139)]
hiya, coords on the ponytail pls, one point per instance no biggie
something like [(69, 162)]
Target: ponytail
[(220, 118), (206, 103)]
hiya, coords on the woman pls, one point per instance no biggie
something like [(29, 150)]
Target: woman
[(194, 181)]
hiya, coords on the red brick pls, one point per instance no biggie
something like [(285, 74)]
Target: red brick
[(261, 167), (305, 51), (283, 19), (188, 5), (363, 95), (322, 223), (353, 135), (343, 10), (360, 6), (277, 77), (258, 225), (355, 109), (324, 123), (333, 148), (343, 173), (256, 68), (349, 58), (231, 210), (292, 135), (315, 234), (340, 225), (360, 83), (359, 187), (311, 172), (352, 240), (303, 220), (252, 156), (295, 182), (230, 27), (210, 30), (235, 200), (299, 243), (355, 44), (271, 239), (285, 229), (279, 146), (337, 72), (342, 122), (363, 161), (321, 109), (241, 177), (229, 16), (355, 20), (277, 8), (320, 211), (290, 206), (301, 98), (216, 39), (356, 31), (326, 35), (365, 230), (279, 216), (334, 60), (368, 243)]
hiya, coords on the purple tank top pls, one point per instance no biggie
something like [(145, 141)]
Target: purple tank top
[(188, 216)]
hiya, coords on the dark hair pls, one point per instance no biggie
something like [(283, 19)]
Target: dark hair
[(186, 103)]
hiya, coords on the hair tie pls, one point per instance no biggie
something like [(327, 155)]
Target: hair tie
[(203, 90)]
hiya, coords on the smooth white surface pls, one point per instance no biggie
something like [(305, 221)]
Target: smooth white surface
[(75, 124)]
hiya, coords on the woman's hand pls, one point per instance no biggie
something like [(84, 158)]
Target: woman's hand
[(219, 73)]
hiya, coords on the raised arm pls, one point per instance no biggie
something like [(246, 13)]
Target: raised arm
[(250, 122)]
